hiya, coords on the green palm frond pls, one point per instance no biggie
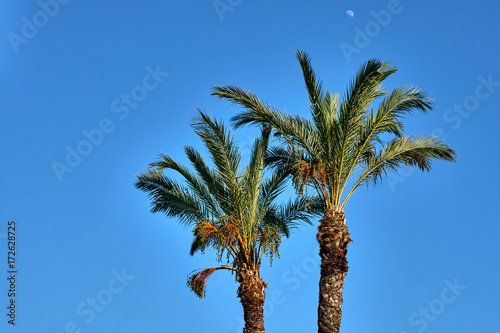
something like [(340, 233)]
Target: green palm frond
[(225, 155), (324, 107), (313, 86), (283, 158), (211, 180), (171, 198), (252, 179), (344, 140), (255, 112), (387, 119), (295, 212), (365, 87), (272, 187), (410, 151), (197, 188), (401, 101), (258, 113)]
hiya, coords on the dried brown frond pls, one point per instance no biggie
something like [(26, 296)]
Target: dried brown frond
[(197, 281)]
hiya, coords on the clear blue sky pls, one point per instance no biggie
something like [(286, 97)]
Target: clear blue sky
[(425, 251)]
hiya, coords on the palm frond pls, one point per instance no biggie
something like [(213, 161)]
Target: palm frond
[(255, 112), (171, 198), (313, 85), (324, 107), (224, 152), (365, 88), (270, 189), (294, 213), (294, 129), (401, 101), (410, 151), (252, 179), (199, 189), (197, 279), (362, 91), (210, 179)]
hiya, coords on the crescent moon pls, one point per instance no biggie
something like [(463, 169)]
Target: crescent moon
[(350, 13)]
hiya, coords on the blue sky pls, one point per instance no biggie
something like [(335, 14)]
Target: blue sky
[(91, 91)]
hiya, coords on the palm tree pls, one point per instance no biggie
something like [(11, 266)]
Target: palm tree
[(231, 210), (338, 149)]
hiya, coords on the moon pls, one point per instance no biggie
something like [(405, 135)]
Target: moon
[(350, 13)]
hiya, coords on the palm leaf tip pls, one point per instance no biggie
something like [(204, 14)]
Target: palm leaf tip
[(427, 148), (196, 281)]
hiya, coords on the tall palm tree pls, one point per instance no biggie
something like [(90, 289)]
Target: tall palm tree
[(231, 210), (338, 149)]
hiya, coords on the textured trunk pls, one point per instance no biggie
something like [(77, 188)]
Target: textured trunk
[(251, 293), (333, 238)]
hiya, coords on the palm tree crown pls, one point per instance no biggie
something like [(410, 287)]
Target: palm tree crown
[(342, 140), (232, 210)]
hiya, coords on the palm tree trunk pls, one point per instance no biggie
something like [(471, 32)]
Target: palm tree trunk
[(333, 238), (251, 293)]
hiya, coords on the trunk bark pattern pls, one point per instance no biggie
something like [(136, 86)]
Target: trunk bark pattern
[(252, 293), (333, 238)]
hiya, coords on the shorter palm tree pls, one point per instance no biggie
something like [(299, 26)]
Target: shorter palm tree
[(231, 210)]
